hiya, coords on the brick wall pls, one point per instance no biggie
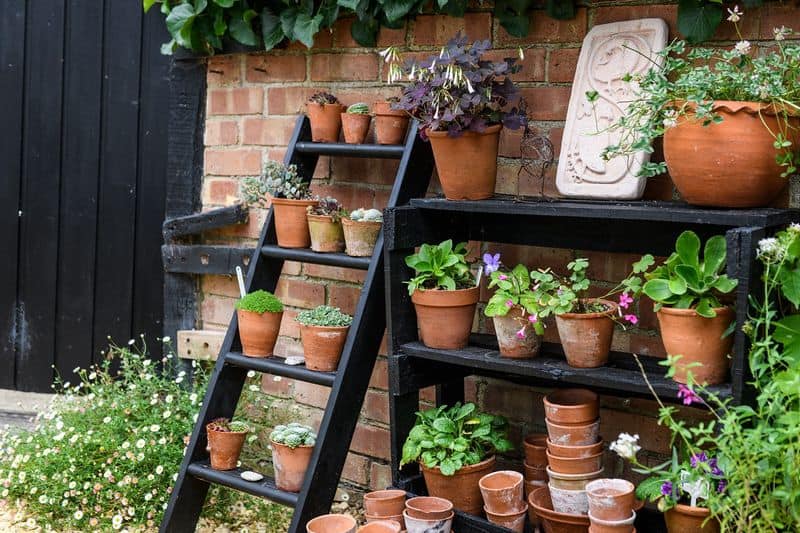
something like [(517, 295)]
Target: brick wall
[(253, 101)]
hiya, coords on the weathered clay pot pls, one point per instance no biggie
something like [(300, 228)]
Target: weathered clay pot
[(586, 337), (360, 236), (568, 501), (532, 485), (575, 465), (535, 446), (390, 124), (355, 127), (466, 165), (385, 502), (290, 466), (392, 518), (381, 526), (611, 499), (572, 406), (445, 317), (697, 340), (502, 492), (729, 164), (291, 224), (573, 435), (326, 234), (687, 519), (428, 525), (559, 480), (535, 473), (511, 345), (258, 332), (224, 448), (611, 526), (462, 487), (332, 523), (322, 346), (539, 502), (572, 451), (429, 507), (514, 520), (326, 121)]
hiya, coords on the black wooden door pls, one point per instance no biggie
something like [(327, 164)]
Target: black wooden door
[(84, 94)]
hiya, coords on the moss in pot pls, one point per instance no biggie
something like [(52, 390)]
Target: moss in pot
[(259, 314), (325, 225), (323, 331), (361, 229)]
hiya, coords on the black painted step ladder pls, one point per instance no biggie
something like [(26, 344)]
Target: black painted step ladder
[(348, 385)]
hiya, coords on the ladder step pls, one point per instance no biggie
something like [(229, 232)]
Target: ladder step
[(276, 367), (379, 151), (306, 255), (231, 478)]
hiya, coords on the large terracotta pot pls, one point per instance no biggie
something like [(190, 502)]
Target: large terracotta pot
[(224, 447), (326, 121), (290, 465), (467, 165), (360, 236), (572, 406), (512, 345), (355, 127), (445, 317), (390, 124), (687, 519), (291, 224), (326, 234), (586, 337), (697, 340), (540, 505), (462, 487), (258, 332), (322, 346), (728, 164)]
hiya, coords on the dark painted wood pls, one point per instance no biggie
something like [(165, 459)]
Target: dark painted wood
[(207, 220), (276, 366), (310, 256), (204, 259), (380, 151), (231, 478)]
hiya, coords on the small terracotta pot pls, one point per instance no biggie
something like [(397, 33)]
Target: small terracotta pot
[(515, 521), (571, 481), (360, 236), (258, 332), (697, 340), (355, 127), (322, 346), (572, 406), (290, 466), (535, 473), (532, 485), (535, 446), (612, 526), (326, 234), (445, 317), (575, 465), (385, 502), (568, 501), (511, 345), (541, 504), (291, 224), (586, 337), (502, 492), (467, 165), (224, 448), (688, 519), (332, 523), (428, 525), (611, 499), (462, 487), (326, 121), (577, 435), (575, 452), (392, 518), (381, 526), (429, 507), (390, 124)]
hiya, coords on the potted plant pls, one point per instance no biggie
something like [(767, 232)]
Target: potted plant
[(259, 314), (225, 441), (455, 447), (693, 322), (461, 100), (729, 120), (292, 446), (444, 294), (355, 123), (290, 198), (323, 332), (325, 113), (361, 230), (390, 124), (325, 225)]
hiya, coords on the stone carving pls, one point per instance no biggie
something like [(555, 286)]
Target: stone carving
[(609, 53)]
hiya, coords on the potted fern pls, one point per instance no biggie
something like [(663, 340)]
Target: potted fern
[(225, 442), (323, 332), (355, 123), (259, 314), (361, 229), (325, 225), (325, 114)]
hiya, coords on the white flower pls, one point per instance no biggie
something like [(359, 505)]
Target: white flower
[(626, 446), (92, 375), (251, 374), (734, 15), (76, 369), (148, 497), (781, 33), (179, 379), (154, 428), (770, 250), (169, 398), (131, 342), (193, 397), (521, 54), (166, 414), (43, 499), (116, 522), (78, 515), (670, 118), (253, 388), (107, 420), (742, 47), (126, 445), (159, 470), (140, 443), (794, 227), (166, 339)]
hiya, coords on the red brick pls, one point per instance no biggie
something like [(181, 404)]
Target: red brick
[(507, 176), (337, 273), (344, 297), (216, 309), (604, 15), (356, 469), (286, 347), (368, 95), (607, 266), (291, 268), (361, 170), (515, 401), (376, 406), (533, 66), (349, 195), (219, 285), (650, 345), (240, 162), (647, 316), (299, 293), (372, 441), (652, 437), (221, 132), (436, 30), (220, 191), (544, 29), (555, 135), (561, 65), (268, 131), (547, 103), (224, 70), (344, 67), (266, 68), (311, 394), (775, 16), (289, 326), (538, 183), (380, 375), (510, 142), (289, 100), (241, 101), (380, 476), (342, 38), (276, 386)]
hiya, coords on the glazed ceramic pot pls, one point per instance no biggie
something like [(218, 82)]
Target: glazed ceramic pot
[(611, 499), (511, 344), (381, 526), (291, 224), (572, 406), (688, 519), (535, 446), (514, 520), (586, 337), (322, 346), (574, 435), (502, 492), (332, 523), (539, 502), (360, 236), (575, 465), (326, 121), (355, 127), (445, 317), (390, 124), (224, 447), (611, 526), (428, 525), (467, 164), (429, 507), (462, 487), (290, 465), (326, 233), (563, 481), (385, 502), (574, 452), (258, 332)]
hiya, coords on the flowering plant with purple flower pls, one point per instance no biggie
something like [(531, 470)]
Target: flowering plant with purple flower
[(512, 293)]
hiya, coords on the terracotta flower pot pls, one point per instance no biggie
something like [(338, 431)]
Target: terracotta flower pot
[(688, 519), (573, 435), (385, 502), (428, 525), (326, 121), (445, 317), (467, 165), (535, 473), (563, 481), (290, 466), (392, 518), (291, 224), (540, 503), (568, 501), (390, 124), (360, 236), (533, 485), (512, 345), (575, 452), (611, 499), (462, 487), (502, 492), (586, 337), (698, 340), (535, 446), (381, 526), (355, 127), (575, 465), (326, 234), (322, 346), (612, 526), (224, 448), (429, 507), (572, 406), (258, 332), (332, 523), (514, 520), (729, 164)]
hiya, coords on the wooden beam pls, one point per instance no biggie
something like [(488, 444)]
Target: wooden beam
[(205, 221), (199, 344), (202, 259)]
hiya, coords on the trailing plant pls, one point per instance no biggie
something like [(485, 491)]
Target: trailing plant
[(293, 435), (454, 437), (440, 266), (512, 289), (225, 425), (278, 180), (366, 215), (323, 99), (358, 109), (329, 207), (324, 315), (260, 301)]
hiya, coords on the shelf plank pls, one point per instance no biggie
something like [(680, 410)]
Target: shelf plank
[(231, 478), (307, 255), (277, 367), (378, 151)]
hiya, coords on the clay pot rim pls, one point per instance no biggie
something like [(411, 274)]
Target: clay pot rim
[(574, 477), (385, 494), (609, 483), (463, 470), (564, 518), (447, 505), (389, 517), (435, 297), (390, 113), (394, 524), (349, 221), (526, 464), (321, 518), (507, 515), (576, 459), (406, 516), (589, 398), (292, 201), (530, 439), (490, 130), (245, 432), (326, 104), (746, 106), (612, 308), (582, 446), (259, 314), (627, 521), (322, 218), (272, 442), (354, 115), (692, 510), (725, 311), (518, 478), (329, 328), (572, 426)]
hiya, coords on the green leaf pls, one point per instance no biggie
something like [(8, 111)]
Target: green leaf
[(241, 29), (348, 4), (691, 275), (516, 25), (180, 18), (714, 255), (465, 411), (271, 31), (147, 4), (168, 48), (306, 27), (454, 8), (688, 248), (220, 26), (444, 425), (224, 3), (657, 290), (560, 9), (449, 467), (200, 6), (705, 308), (787, 330), (790, 285), (698, 19), (288, 17), (677, 286), (329, 11)]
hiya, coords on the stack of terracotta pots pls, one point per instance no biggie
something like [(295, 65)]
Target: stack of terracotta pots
[(383, 505), (503, 500), (428, 514), (611, 506)]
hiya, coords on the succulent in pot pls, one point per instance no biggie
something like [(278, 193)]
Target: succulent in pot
[(225, 442), (325, 113), (290, 196), (325, 225), (361, 230), (259, 314), (323, 332), (390, 124), (292, 445), (355, 123)]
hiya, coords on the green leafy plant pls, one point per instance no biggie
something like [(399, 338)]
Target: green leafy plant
[(324, 315), (225, 425), (323, 98), (329, 207), (440, 266), (511, 289), (278, 180), (358, 109), (260, 301), (293, 435), (367, 215), (454, 437)]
